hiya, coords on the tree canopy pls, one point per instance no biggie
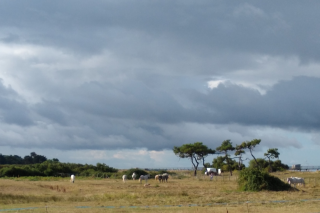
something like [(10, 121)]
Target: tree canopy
[(224, 148), (271, 154), (196, 152), (251, 145), (239, 152), (28, 159)]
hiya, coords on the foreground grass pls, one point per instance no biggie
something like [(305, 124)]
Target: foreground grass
[(187, 194)]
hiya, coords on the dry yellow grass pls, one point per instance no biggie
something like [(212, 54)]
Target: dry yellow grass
[(178, 195)]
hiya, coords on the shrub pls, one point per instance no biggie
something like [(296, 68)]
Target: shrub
[(253, 179), (138, 172)]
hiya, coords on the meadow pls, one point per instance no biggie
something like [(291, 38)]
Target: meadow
[(182, 193)]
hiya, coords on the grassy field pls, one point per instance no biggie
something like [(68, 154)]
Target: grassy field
[(182, 193)]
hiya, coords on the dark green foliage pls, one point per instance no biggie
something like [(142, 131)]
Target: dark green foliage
[(262, 162), (271, 154), (220, 163), (225, 147), (138, 172), (277, 165), (55, 168), (28, 159), (13, 159), (253, 179), (251, 145)]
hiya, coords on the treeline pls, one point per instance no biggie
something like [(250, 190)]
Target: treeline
[(197, 152), (54, 168), (220, 162), (33, 158)]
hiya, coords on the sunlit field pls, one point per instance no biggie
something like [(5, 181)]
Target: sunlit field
[(182, 193)]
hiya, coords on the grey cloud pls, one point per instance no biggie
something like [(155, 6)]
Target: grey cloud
[(13, 109), (130, 114), (203, 28), (289, 104), (130, 100), (52, 111)]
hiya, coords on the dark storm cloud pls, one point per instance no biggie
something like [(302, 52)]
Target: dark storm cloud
[(134, 115), (288, 104), (204, 28), (12, 107)]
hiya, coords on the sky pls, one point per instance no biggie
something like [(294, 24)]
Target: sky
[(123, 82)]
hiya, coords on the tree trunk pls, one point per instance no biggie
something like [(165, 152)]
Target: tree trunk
[(194, 166), (254, 159), (230, 169), (270, 167)]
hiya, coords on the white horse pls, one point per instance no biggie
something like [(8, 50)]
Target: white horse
[(134, 176), (144, 177), (294, 180), (72, 178), (124, 178), (156, 177)]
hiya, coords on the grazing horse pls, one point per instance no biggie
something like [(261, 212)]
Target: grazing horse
[(294, 180), (72, 178), (165, 177), (134, 176), (144, 177), (124, 178), (156, 177)]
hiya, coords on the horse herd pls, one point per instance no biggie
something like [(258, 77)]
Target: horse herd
[(162, 177)]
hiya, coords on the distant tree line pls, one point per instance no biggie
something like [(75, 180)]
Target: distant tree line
[(54, 168), (33, 158)]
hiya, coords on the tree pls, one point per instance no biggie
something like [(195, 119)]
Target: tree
[(196, 152), (33, 154), (271, 154), (28, 159), (251, 145), (224, 148), (277, 165), (2, 159), (259, 161), (218, 162), (239, 151), (39, 159)]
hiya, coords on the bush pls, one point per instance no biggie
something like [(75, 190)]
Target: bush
[(276, 165), (138, 172), (253, 179)]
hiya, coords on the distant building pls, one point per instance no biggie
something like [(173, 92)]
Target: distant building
[(296, 167)]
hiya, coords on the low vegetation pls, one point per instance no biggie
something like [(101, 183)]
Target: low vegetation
[(254, 179)]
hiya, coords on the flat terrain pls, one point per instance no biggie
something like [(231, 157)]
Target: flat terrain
[(182, 193)]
